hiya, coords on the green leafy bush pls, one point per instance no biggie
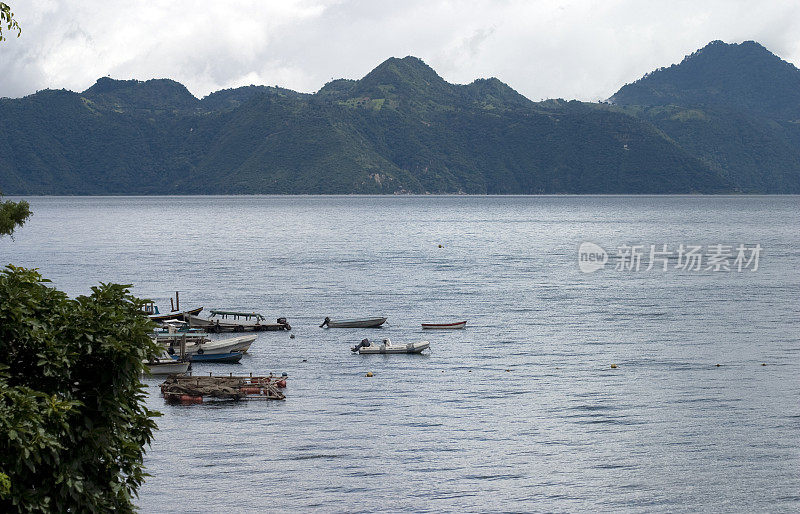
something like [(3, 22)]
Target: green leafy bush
[(73, 420)]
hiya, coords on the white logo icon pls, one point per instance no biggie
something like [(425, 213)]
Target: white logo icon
[(591, 257)]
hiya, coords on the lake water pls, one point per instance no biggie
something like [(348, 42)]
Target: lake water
[(521, 411)]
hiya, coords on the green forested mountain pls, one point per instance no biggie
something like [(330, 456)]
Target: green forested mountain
[(399, 129), (745, 76), (736, 107)]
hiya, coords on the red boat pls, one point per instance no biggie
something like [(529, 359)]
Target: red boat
[(457, 325)]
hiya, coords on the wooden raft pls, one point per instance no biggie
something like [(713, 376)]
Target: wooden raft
[(195, 389)]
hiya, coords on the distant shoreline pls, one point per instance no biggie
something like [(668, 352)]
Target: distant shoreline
[(437, 195)]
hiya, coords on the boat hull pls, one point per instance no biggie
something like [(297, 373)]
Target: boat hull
[(215, 357), (175, 315), (162, 367), (232, 325), (444, 326), (222, 346), (357, 323)]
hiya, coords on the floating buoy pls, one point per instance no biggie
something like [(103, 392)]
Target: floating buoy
[(508, 370), (440, 246), (614, 366), (304, 360), (470, 371), (291, 336), (369, 374), (718, 365), (763, 363)]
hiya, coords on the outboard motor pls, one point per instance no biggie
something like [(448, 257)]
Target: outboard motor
[(282, 321), (327, 320), (363, 344)]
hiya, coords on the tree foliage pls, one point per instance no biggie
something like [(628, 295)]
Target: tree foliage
[(12, 215), (7, 19), (73, 423)]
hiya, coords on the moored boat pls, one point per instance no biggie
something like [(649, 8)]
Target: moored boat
[(219, 350), (151, 310), (165, 365), (353, 323), (367, 347), (157, 316), (450, 326), (228, 357), (235, 321), (172, 334)]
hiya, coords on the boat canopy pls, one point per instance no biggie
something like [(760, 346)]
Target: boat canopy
[(236, 314)]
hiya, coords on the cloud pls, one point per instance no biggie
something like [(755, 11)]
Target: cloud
[(571, 49)]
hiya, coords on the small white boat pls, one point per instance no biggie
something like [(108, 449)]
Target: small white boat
[(367, 347), (238, 344), (353, 323), (165, 365), (441, 326)]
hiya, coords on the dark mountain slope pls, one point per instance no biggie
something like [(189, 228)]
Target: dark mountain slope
[(743, 76), (401, 128), (227, 99), (756, 153), (280, 146), (135, 95), (57, 143), (736, 107)]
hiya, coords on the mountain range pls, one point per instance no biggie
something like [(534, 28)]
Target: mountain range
[(724, 120)]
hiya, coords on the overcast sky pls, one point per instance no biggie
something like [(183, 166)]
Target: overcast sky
[(543, 49)]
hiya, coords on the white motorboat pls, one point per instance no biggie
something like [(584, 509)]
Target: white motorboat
[(207, 346), (367, 347)]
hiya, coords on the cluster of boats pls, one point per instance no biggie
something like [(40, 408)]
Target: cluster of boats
[(377, 322), (386, 346), (219, 320), (185, 336), (182, 345)]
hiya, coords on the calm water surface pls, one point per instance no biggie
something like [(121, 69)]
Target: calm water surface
[(519, 412)]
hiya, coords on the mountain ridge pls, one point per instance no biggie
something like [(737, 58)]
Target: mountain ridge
[(399, 129)]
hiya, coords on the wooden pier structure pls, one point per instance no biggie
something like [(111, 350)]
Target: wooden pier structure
[(188, 389)]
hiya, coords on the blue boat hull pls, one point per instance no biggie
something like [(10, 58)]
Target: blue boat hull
[(214, 357)]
